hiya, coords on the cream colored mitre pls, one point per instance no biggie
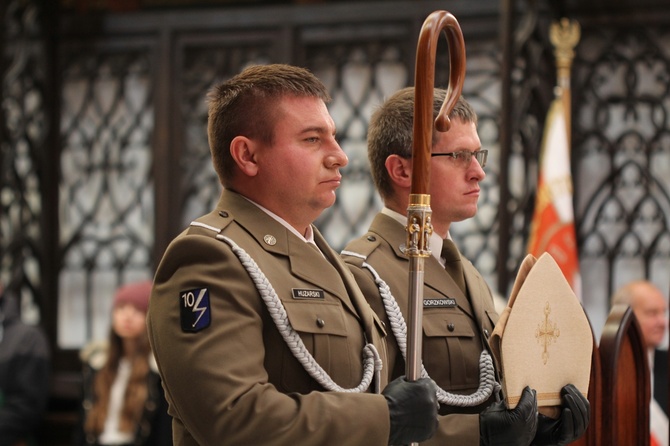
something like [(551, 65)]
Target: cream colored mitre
[(543, 338)]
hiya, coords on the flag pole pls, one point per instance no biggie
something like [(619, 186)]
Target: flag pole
[(419, 227), (564, 36), (552, 226)]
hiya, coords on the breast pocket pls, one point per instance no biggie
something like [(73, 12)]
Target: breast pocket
[(323, 329), (451, 349)]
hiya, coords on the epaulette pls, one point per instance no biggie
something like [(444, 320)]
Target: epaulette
[(210, 224), (361, 248)]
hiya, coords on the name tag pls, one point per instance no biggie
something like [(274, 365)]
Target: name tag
[(302, 293), (439, 303)]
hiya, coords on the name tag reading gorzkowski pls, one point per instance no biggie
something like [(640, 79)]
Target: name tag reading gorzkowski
[(195, 312), (302, 293), (439, 303)]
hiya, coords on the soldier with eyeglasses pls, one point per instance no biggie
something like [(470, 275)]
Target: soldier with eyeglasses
[(458, 308)]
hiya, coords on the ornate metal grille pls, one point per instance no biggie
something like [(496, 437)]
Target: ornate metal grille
[(24, 121), (106, 188), (622, 149)]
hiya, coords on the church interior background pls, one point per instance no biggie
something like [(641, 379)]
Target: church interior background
[(104, 155)]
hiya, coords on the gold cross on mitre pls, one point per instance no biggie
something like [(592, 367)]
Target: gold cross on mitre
[(547, 332)]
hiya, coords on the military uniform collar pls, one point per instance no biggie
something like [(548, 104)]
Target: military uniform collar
[(275, 237)]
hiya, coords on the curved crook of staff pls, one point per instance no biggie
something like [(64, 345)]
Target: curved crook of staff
[(419, 227)]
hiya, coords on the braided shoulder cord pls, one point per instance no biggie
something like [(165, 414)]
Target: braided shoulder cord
[(487, 381), (372, 363)]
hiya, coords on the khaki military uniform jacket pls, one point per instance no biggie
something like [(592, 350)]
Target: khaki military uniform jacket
[(455, 327), (228, 375)]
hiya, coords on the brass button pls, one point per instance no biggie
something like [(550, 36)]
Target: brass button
[(451, 327), (223, 214), (371, 238), (320, 322), (486, 333)]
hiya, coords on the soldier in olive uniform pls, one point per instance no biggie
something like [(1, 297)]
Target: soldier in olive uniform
[(261, 335), (458, 309)]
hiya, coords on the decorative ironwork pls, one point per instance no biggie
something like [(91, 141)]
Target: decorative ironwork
[(24, 122), (106, 188), (622, 154)]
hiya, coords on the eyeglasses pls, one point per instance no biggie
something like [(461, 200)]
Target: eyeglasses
[(463, 158)]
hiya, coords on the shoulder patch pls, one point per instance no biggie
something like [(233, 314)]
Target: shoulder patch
[(195, 311)]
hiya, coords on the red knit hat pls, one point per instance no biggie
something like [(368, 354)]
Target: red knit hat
[(136, 294)]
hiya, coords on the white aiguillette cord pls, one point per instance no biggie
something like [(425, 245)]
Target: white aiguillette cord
[(372, 364), (487, 381)]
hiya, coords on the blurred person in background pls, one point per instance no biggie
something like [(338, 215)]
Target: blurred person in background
[(123, 402), (24, 375)]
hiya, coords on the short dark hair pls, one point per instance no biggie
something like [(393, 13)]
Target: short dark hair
[(246, 105), (391, 129)]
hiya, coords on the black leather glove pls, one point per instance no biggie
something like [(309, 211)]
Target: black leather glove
[(574, 419), (413, 409), (499, 426)]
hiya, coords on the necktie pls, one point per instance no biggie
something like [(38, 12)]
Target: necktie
[(452, 263)]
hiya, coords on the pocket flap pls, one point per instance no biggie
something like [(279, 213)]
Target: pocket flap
[(316, 317), (447, 324)]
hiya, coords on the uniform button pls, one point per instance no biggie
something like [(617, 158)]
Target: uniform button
[(320, 322), (223, 214), (451, 327), (371, 238), (383, 324), (486, 333)]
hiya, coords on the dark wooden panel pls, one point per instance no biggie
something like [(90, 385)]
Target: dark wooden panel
[(626, 381)]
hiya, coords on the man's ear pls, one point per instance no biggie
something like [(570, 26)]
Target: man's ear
[(399, 170), (243, 151)]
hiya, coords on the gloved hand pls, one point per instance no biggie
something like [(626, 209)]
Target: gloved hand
[(413, 409), (570, 425), (499, 426)]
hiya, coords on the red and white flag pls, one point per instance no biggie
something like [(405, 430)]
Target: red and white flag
[(552, 229)]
